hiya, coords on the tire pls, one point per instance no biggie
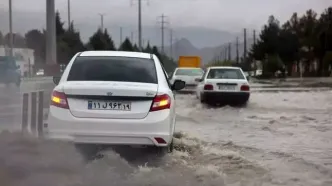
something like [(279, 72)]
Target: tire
[(201, 99), (161, 151)]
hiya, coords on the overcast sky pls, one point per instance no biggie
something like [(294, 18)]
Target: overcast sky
[(219, 14)]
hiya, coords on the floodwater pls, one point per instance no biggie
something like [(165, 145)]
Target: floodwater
[(281, 138)]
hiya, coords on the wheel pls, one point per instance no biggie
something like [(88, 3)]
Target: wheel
[(201, 99), (161, 151)]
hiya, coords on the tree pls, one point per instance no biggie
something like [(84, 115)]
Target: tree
[(324, 47), (35, 40), (73, 42), (101, 41), (18, 40), (135, 48), (60, 30), (148, 48), (126, 45)]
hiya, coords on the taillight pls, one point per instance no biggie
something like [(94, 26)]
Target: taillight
[(161, 102), (59, 99), (245, 88), (208, 87)]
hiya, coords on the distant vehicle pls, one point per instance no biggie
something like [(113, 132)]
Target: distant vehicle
[(113, 97), (9, 71), (223, 85), (187, 75), (189, 61), (40, 72)]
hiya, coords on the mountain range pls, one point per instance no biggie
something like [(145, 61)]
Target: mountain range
[(205, 42)]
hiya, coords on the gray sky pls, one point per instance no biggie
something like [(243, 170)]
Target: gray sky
[(219, 14)]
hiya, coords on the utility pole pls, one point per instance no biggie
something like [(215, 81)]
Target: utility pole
[(102, 21), (225, 56), (237, 50), (140, 24), (50, 33), (132, 37), (163, 22), (121, 41), (255, 64), (254, 37), (171, 43), (140, 39), (69, 20), (229, 51), (245, 45), (11, 36)]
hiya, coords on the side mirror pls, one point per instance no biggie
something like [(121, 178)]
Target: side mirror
[(248, 77), (178, 85), (198, 79), (56, 80)]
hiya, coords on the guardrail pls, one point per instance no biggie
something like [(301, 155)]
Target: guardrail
[(33, 113), (41, 78)]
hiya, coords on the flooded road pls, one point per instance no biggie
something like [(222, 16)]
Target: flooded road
[(280, 138)]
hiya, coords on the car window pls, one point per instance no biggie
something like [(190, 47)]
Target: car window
[(189, 72), (111, 68), (225, 74)]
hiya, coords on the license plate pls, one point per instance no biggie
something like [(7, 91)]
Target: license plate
[(109, 105), (223, 87)]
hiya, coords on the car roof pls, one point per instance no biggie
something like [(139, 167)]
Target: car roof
[(188, 68), (224, 67), (117, 54)]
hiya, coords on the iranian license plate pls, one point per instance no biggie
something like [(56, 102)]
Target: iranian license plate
[(109, 105), (225, 87)]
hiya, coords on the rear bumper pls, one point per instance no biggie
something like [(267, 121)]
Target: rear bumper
[(226, 97), (62, 125)]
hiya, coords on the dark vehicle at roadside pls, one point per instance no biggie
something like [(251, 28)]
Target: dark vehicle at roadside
[(9, 71)]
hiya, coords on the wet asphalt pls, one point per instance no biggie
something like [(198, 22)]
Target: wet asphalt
[(282, 137)]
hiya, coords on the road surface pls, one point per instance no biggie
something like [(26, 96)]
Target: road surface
[(280, 138)]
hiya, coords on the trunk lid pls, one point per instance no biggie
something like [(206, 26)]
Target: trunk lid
[(113, 100)]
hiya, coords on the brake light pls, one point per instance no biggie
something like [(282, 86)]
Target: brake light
[(59, 99), (161, 102), (245, 88), (208, 87)]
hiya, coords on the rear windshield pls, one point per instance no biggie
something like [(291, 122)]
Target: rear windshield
[(225, 74), (109, 68), (189, 72)]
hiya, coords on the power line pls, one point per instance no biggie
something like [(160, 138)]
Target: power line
[(171, 43), (101, 21), (121, 41), (229, 51), (132, 36), (245, 45), (11, 37), (163, 22), (139, 23), (237, 50), (69, 20)]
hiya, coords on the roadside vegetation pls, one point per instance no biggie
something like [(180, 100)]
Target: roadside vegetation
[(303, 44), (69, 43)]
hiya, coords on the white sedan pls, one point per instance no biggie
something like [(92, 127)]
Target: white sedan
[(187, 75), (112, 97), (223, 85)]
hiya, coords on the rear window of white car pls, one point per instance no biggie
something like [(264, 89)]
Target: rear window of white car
[(189, 72), (225, 74), (113, 68)]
